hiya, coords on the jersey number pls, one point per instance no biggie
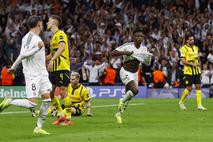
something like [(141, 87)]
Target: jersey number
[(33, 87), (61, 76)]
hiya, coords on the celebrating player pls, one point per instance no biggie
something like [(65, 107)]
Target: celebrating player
[(133, 53)]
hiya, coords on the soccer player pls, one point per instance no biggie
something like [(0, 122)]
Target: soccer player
[(192, 71), (32, 56), (59, 68), (133, 53), (79, 96)]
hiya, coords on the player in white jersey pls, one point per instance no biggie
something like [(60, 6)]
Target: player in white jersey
[(133, 53), (32, 56)]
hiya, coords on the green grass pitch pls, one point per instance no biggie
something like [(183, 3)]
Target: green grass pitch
[(146, 120)]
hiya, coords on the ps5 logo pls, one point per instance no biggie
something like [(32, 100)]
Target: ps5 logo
[(111, 92)]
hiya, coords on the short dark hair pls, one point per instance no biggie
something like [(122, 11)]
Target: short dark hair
[(57, 18), (137, 30), (33, 21), (187, 36)]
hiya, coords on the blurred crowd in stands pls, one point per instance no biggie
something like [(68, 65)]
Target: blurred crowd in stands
[(96, 27)]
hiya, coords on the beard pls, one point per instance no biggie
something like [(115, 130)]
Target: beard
[(191, 44)]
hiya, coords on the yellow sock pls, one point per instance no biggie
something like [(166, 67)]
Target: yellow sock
[(49, 111), (67, 103), (57, 105), (184, 95), (198, 97)]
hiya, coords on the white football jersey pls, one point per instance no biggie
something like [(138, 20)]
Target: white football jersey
[(137, 52), (33, 65)]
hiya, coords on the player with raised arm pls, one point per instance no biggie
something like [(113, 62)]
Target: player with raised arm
[(59, 68), (32, 56), (133, 53)]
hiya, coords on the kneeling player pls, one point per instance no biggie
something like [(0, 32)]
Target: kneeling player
[(79, 97)]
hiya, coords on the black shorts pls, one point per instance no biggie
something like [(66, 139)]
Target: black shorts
[(78, 112), (191, 79), (60, 78)]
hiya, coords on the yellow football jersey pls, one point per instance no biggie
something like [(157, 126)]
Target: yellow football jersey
[(63, 61), (191, 54), (78, 96)]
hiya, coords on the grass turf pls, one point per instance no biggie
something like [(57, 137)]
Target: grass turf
[(149, 120)]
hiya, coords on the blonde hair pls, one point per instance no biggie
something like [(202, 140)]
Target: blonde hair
[(76, 74), (57, 18)]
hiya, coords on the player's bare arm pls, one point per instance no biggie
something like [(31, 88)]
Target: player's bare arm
[(40, 44), (120, 53), (58, 53), (185, 62), (11, 71), (25, 54), (88, 107), (48, 57)]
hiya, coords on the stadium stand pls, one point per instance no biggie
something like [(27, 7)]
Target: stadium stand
[(96, 27)]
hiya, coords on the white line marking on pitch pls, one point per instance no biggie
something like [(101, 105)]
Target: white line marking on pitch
[(14, 112), (102, 106), (105, 106)]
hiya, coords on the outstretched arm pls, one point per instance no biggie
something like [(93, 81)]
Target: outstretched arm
[(15, 64), (120, 53), (29, 52), (25, 54)]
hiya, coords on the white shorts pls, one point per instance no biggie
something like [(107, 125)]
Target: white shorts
[(127, 76), (37, 86)]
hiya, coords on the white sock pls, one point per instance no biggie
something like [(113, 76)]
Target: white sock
[(126, 104), (43, 112), (128, 96), (23, 103)]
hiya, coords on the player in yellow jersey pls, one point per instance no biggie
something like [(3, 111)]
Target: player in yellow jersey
[(192, 71), (79, 96), (59, 68)]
